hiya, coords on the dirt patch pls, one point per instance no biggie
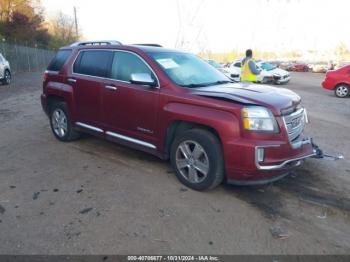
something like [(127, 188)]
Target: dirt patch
[(7, 115)]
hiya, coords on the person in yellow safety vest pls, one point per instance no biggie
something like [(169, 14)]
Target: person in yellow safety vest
[(249, 70)]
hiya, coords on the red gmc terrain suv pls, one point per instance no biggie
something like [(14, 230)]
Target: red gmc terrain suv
[(174, 105)]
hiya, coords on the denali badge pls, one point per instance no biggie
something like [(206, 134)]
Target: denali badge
[(144, 130)]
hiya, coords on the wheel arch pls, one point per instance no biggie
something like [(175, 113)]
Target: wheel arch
[(342, 83), (52, 99), (178, 126)]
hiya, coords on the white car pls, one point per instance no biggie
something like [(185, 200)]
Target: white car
[(5, 71), (269, 72), (221, 68)]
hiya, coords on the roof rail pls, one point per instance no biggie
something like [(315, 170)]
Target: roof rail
[(102, 42), (156, 45)]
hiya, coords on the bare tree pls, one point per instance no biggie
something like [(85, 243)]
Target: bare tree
[(62, 29)]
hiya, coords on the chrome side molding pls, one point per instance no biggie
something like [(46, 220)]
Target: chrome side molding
[(130, 139), (116, 135), (89, 127)]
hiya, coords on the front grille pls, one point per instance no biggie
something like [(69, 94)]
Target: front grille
[(295, 123)]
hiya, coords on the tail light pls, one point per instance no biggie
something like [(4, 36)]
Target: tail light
[(45, 76)]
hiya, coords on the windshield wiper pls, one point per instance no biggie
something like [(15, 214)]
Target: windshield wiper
[(208, 84), (194, 85), (221, 82)]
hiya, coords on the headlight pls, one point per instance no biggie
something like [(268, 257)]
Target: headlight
[(257, 118)]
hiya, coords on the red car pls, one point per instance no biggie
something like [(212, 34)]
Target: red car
[(339, 81), (176, 106), (299, 67)]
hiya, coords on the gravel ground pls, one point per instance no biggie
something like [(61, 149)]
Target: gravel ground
[(95, 197)]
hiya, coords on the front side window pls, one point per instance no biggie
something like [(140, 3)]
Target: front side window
[(94, 63), (59, 60), (188, 70), (125, 64)]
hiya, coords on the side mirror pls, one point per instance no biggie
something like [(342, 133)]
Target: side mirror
[(143, 79)]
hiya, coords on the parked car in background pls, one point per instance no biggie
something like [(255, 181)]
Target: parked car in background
[(269, 73), (279, 75), (220, 67), (299, 67), (319, 68), (236, 70), (5, 71), (286, 66), (176, 106), (339, 81)]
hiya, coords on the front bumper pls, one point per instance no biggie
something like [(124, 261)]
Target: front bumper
[(292, 162), (261, 162), (282, 79)]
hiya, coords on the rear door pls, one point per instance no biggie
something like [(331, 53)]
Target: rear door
[(89, 71), (130, 109)]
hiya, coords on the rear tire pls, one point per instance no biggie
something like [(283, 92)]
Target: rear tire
[(197, 158), (60, 123), (342, 90)]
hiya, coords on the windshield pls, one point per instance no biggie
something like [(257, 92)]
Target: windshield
[(188, 70), (267, 66), (215, 64)]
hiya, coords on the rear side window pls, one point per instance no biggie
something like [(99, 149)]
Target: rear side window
[(59, 60), (94, 63)]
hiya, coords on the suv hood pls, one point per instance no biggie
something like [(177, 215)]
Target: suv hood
[(277, 99)]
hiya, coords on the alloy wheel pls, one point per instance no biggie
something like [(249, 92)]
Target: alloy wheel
[(342, 91), (59, 122), (192, 161)]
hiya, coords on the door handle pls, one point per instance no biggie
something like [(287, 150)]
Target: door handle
[(72, 80), (113, 88)]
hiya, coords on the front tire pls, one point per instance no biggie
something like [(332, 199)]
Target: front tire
[(197, 158), (7, 77), (342, 91), (60, 123)]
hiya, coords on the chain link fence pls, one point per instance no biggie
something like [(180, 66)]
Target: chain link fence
[(26, 59)]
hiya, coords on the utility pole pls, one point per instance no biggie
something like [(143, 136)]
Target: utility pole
[(76, 22)]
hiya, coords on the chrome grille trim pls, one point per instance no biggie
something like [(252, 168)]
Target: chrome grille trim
[(295, 123)]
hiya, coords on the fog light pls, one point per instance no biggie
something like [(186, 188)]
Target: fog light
[(260, 154)]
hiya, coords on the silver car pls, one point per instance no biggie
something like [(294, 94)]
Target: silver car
[(5, 71)]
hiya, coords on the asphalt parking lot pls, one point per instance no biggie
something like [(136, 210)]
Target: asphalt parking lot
[(95, 197)]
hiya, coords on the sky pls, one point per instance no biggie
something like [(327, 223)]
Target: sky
[(213, 25)]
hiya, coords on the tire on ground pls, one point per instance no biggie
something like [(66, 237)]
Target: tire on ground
[(342, 93), (212, 147), (7, 80), (71, 134)]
